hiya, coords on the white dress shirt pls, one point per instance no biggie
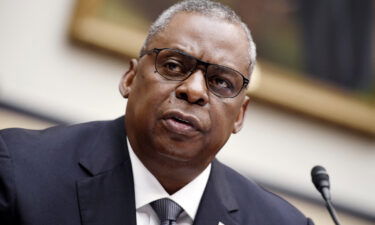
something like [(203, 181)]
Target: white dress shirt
[(148, 189)]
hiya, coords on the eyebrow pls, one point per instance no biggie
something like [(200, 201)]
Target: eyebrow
[(189, 54)]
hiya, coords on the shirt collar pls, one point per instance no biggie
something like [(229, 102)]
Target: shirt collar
[(148, 189)]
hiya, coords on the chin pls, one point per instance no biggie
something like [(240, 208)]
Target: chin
[(178, 155)]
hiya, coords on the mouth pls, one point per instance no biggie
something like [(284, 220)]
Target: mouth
[(180, 123)]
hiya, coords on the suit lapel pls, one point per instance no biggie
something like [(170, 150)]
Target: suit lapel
[(218, 203), (107, 196)]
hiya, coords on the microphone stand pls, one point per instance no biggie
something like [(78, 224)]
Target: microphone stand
[(332, 211)]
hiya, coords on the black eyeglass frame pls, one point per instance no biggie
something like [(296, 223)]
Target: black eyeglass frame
[(199, 62)]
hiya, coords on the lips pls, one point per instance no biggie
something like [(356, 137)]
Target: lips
[(178, 122)]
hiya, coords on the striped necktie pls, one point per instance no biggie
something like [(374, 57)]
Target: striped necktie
[(167, 211)]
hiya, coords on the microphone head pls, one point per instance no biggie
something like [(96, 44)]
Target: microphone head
[(320, 178)]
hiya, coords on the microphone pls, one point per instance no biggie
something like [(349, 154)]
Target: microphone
[(320, 180)]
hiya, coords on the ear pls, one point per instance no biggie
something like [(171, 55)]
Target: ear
[(241, 116), (128, 78)]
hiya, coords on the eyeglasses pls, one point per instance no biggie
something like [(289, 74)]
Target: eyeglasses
[(173, 64)]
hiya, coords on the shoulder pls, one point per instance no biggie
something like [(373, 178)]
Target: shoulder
[(59, 144), (20, 136), (18, 139), (38, 168), (267, 207)]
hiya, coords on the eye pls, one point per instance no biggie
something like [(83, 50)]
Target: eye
[(173, 66), (220, 83)]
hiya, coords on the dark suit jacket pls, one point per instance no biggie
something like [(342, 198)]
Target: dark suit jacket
[(81, 174)]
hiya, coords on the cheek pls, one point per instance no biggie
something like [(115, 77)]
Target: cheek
[(147, 95), (222, 119), (225, 115)]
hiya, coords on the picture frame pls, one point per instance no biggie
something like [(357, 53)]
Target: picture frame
[(270, 83)]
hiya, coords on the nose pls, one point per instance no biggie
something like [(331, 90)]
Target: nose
[(193, 89)]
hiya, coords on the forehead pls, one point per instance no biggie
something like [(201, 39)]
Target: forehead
[(210, 39)]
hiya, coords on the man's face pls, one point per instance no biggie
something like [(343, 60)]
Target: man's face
[(182, 123)]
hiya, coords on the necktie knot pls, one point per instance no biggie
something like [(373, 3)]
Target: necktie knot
[(167, 210)]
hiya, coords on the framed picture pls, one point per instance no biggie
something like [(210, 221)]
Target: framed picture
[(306, 62)]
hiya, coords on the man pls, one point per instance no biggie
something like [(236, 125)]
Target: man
[(186, 95)]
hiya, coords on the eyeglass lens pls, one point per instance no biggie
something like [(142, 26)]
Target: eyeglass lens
[(220, 80)]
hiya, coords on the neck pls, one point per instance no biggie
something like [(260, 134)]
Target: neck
[(171, 172), (172, 175)]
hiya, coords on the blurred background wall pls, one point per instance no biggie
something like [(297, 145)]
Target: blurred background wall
[(46, 80)]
